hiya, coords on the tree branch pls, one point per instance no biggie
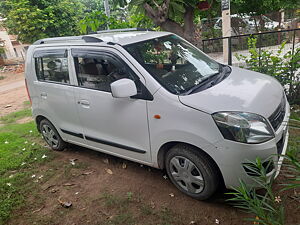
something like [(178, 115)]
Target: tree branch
[(159, 15)]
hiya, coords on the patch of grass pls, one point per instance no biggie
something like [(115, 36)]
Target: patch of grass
[(123, 218), (111, 200), (146, 210), (13, 117), (26, 103), (20, 155), (295, 112), (2, 77), (126, 209), (166, 216)]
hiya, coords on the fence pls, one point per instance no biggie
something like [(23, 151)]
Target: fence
[(238, 45)]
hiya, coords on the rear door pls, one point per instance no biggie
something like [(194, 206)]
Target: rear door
[(117, 126), (55, 91)]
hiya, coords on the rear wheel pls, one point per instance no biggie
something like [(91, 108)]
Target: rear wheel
[(51, 136), (192, 172)]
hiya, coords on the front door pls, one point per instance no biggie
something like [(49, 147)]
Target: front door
[(116, 126)]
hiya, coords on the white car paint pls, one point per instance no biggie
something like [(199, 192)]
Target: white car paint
[(131, 122)]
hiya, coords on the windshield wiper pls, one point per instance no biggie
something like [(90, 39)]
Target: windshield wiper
[(201, 84), (224, 71)]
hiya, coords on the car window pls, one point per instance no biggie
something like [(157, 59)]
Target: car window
[(98, 71), (52, 66), (174, 63)]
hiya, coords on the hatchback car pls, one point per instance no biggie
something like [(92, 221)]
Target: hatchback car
[(154, 98)]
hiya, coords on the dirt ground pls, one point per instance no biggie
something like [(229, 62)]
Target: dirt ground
[(12, 99), (94, 175)]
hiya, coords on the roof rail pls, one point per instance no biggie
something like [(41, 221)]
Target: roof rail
[(67, 39), (91, 39), (124, 30)]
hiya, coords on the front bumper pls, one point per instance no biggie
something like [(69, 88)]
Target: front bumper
[(231, 155)]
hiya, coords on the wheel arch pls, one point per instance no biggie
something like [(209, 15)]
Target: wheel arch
[(167, 146), (38, 120)]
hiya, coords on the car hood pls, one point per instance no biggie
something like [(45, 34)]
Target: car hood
[(242, 90)]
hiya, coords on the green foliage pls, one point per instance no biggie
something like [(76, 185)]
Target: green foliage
[(91, 5), (13, 117), (176, 8), (267, 208), (140, 20), (97, 20), (36, 19), (292, 167), (129, 195), (284, 67)]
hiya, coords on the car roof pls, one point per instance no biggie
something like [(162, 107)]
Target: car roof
[(114, 36), (125, 38)]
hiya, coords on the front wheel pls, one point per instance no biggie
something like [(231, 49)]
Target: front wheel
[(51, 136), (192, 172)]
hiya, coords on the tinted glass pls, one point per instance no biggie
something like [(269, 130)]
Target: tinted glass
[(52, 68)]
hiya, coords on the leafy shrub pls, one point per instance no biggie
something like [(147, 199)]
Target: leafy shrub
[(291, 166), (266, 207), (285, 68)]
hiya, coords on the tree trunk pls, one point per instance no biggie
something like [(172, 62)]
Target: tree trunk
[(160, 18)]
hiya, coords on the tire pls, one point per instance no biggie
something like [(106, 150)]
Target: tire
[(51, 136), (192, 172)]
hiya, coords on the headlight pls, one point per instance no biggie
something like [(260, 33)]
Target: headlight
[(243, 127)]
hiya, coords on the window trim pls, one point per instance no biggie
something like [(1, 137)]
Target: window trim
[(38, 54), (108, 55), (144, 94)]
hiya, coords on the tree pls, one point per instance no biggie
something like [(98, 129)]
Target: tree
[(93, 5), (176, 16), (97, 20), (36, 19)]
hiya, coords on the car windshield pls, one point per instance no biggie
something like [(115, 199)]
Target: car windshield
[(174, 63)]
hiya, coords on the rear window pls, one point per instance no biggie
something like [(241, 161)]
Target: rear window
[(52, 66)]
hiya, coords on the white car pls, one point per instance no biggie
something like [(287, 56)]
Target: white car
[(153, 98)]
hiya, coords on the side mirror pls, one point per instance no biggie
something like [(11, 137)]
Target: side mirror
[(123, 88)]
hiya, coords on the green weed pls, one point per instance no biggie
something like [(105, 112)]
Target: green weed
[(13, 117), (20, 154)]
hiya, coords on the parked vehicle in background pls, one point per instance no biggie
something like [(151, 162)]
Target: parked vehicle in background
[(153, 98), (245, 24)]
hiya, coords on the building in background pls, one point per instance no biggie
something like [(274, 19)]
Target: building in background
[(14, 50)]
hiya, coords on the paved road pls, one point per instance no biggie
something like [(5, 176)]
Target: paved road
[(11, 86)]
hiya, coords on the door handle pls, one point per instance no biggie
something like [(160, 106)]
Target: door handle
[(44, 95), (84, 103)]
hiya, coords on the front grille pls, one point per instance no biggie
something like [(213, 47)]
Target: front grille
[(278, 115)]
